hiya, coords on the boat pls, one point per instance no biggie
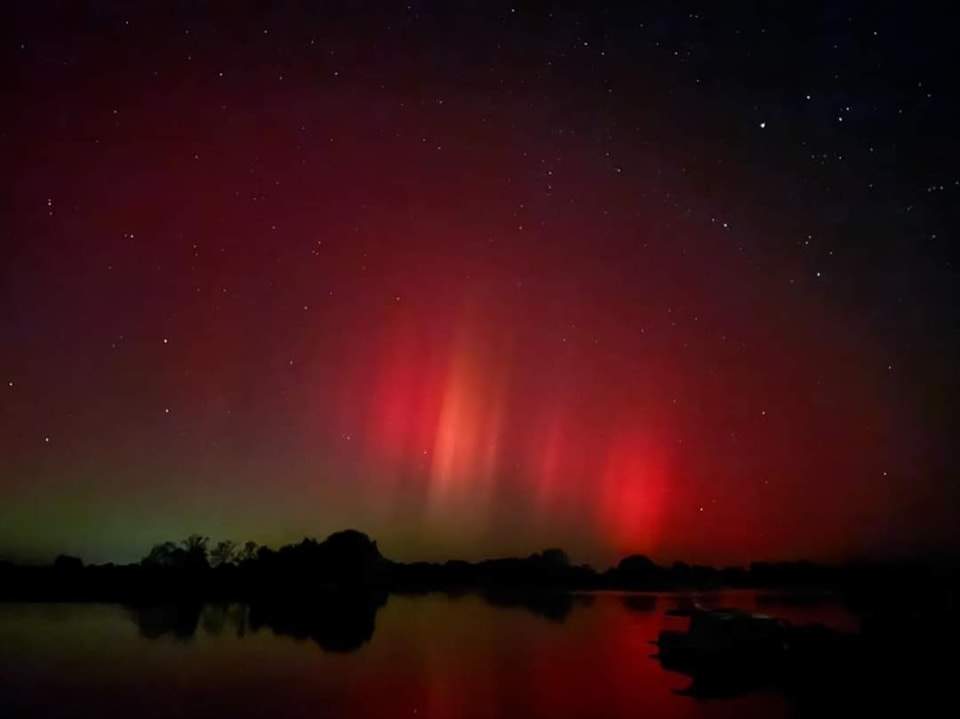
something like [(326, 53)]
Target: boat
[(727, 652), (724, 635)]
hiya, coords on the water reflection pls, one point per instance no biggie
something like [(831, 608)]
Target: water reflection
[(176, 620), (554, 606), (641, 603), (336, 622), (363, 655)]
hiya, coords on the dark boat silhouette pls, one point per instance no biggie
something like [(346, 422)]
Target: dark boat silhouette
[(728, 652), (724, 635)]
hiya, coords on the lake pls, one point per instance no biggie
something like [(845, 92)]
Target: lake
[(432, 655)]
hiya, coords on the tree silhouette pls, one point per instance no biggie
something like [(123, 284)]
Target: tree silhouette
[(223, 553), (555, 557), (165, 554), (249, 551), (197, 552), (191, 553), (66, 563)]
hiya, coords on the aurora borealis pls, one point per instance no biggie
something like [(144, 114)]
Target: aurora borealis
[(478, 280)]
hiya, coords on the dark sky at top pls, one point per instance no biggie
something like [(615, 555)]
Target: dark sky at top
[(479, 278)]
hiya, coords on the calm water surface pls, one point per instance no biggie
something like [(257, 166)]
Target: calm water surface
[(416, 656)]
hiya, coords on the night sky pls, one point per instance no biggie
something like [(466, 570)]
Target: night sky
[(480, 278)]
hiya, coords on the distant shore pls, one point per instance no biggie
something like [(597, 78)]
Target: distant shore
[(349, 561)]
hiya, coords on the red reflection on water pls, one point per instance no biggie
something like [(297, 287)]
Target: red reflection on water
[(430, 656)]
